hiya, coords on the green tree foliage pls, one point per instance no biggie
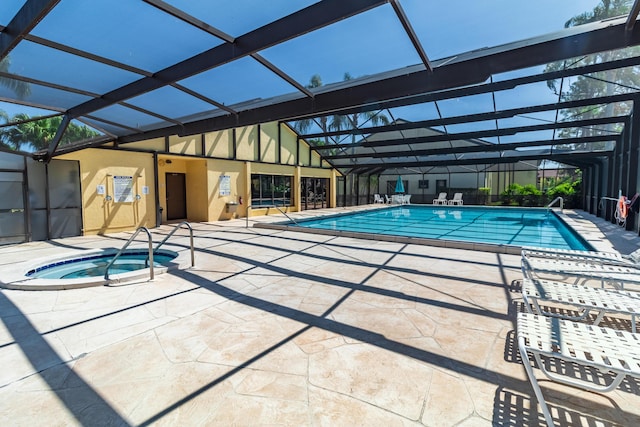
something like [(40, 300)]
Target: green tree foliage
[(20, 88), (599, 84), (339, 122), (523, 195), (36, 134)]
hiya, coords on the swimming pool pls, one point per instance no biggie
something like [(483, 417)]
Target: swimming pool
[(490, 228)]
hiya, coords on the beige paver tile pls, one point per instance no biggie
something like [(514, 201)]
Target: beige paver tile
[(421, 337), (382, 378), (446, 408), (329, 408)]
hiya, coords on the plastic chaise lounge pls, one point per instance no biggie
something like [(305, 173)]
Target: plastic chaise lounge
[(587, 346), (582, 271), (633, 259), (457, 199), (585, 299), (441, 200)]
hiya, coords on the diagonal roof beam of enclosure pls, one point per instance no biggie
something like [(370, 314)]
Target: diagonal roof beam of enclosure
[(316, 16), (31, 12), (461, 136), (481, 148), (581, 159), (174, 11), (412, 35), (633, 15), (465, 69), (476, 90), (563, 157), (500, 114)]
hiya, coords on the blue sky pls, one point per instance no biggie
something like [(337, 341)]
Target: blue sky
[(367, 44)]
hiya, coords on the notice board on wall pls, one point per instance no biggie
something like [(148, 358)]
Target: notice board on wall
[(123, 189), (225, 185)]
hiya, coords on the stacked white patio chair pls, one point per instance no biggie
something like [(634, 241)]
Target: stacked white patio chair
[(613, 270), (555, 334), (608, 350)]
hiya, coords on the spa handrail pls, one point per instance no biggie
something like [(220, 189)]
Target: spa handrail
[(106, 271), (193, 262), (268, 206)]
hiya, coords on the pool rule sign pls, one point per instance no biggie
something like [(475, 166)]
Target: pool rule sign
[(123, 189)]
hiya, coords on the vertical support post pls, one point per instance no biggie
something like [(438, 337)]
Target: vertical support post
[(633, 157)]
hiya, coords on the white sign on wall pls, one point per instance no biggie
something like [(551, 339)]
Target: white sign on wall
[(123, 189), (225, 185), (100, 189)]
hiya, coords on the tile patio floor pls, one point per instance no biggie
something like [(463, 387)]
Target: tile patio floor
[(282, 328)]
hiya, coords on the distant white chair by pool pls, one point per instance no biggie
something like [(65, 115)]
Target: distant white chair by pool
[(441, 200), (406, 200), (387, 199), (457, 199), (378, 199), (397, 199)]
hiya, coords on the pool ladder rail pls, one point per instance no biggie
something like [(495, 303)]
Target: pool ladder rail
[(267, 207), (151, 249), (557, 199)]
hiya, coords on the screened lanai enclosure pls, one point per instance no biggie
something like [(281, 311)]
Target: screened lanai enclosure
[(381, 90)]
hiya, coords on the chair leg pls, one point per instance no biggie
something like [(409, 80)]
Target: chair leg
[(534, 383)]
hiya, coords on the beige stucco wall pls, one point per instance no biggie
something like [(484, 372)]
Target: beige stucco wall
[(202, 175), (219, 144), (288, 145), (247, 143), (217, 208), (269, 142), (191, 144), (98, 167), (156, 144)]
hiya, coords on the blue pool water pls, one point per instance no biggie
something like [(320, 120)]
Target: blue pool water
[(497, 226), (95, 265)]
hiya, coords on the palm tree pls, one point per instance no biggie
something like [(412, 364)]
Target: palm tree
[(339, 122), (604, 83), (38, 133), (352, 121), (21, 89)]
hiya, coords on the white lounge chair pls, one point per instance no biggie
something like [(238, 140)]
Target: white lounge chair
[(608, 350), (583, 298), (407, 199), (633, 259), (615, 275), (457, 199), (377, 199), (387, 199), (441, 199)]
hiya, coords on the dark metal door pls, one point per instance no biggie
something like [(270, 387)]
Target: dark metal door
[(176, 196)]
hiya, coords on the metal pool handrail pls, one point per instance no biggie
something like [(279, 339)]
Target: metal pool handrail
[(193, 262), (106, 271), (555, 200), (268, 206)]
